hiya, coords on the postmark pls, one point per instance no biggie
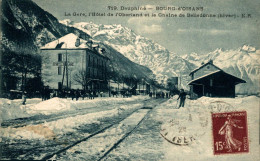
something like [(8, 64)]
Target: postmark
[(186, 125), (220, 106), (230, 132)]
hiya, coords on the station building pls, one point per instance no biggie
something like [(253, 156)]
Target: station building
[(209, 80)]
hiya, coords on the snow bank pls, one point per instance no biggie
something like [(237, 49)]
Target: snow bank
[(70, 124), (54, 129), (12, 109)]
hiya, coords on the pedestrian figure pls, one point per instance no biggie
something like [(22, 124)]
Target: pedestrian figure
[(91, 95), (77, 94), (48, 93), (163, 94), (23, 98), (72, 94), (83, 94), (182, 97), (94, 94), (42, 93)]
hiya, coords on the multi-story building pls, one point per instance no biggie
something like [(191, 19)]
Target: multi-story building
[(74, 63)]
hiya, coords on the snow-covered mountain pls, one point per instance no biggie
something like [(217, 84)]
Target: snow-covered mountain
[(138, 49), (27, 26), (25, 23), (243, 62)]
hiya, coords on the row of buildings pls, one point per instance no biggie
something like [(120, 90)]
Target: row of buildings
[(74, 63)]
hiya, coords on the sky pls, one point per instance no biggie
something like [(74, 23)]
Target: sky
[(181, 35)]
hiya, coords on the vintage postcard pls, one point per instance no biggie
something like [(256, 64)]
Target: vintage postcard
[(130, 80)]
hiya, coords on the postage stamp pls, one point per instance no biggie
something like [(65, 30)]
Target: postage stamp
[(230, 132)]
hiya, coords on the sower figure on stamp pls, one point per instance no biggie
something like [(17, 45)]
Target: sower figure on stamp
[(227, 130), (182, 97)]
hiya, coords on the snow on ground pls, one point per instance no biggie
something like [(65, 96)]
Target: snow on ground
[(54, 129), (202, 148), (12, 109), (51, 130), (146, 143), (94, 148)]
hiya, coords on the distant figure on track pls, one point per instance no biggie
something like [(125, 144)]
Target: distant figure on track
[(77, 94), (182, 97)]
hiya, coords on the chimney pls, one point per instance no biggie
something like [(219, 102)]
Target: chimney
[(211, 61), (90, 43), (77, 43), (103, 50)]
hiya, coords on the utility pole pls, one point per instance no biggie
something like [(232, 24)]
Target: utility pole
[(139, 88), (67, 75), (117, 84), (109, 90), (143, 86), (1, 76)]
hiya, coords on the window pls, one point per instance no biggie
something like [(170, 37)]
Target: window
[(59, 57), (59, 70), (208, 67)]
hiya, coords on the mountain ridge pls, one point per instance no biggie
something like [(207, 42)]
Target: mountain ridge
[(242, 62), (26, 25), (138, 49)]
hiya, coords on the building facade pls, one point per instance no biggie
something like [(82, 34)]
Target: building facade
[(74, 63), (209, 80)]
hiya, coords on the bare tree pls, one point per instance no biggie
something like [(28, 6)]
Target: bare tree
[(81, 78)]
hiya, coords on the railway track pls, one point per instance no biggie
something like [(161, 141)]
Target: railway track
[(125, 121), (39, 119)]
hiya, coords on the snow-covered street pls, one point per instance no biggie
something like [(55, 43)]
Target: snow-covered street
[(119, 129)]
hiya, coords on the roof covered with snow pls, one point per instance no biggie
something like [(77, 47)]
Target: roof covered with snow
[(72, 41), (66, 42), (210, 62), (237, 80)]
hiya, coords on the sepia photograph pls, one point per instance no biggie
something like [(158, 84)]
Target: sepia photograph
[(133, 80)]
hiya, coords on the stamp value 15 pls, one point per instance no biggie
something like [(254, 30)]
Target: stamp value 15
[(230, 134)]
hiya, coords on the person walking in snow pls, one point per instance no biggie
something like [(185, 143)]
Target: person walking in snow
[(182, 97), (82, 94), (72, 94), (77, 94), (23, 98)]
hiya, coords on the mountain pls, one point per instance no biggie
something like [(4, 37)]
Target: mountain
[(138, 49), (243, 62), (26, 25)]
